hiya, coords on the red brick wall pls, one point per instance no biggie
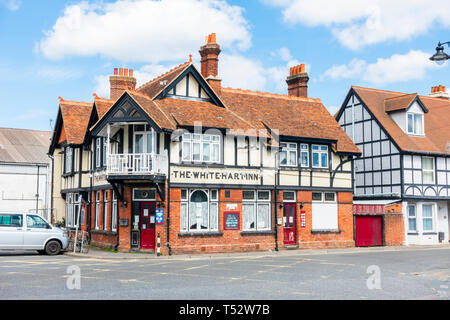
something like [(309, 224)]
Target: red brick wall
[(394, 230)]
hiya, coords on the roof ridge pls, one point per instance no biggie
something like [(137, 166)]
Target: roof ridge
[(380, 90), (164, 74), (273, 95), (71, 102), (404, 95)]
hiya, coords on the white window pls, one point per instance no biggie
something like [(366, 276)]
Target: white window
[(68, 160), (304, 155), (428, 217), (105, 210), (324, 211), (105, 141), (201, 148), (319, 156), (415, 123), (114, 212), (412, 218), (288, 154), (73, 206), (144, 139), (199, 210), (256, 210), (97, 208), (98, 152), (428, 170)]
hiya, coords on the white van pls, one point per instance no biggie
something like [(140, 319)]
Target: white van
[(22, 231)]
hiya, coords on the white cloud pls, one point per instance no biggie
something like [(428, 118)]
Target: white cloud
[(58, 73), (144, 30), (239, 72), (357, 23), (397, 68), (12, 5)]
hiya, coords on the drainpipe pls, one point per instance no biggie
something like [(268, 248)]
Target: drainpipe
[(168, 201), (50, 188), (277, 175), (37, 190)]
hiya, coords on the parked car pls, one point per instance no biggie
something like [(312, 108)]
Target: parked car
[(25, 231)]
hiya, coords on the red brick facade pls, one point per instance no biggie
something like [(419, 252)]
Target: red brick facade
[(394, 227)]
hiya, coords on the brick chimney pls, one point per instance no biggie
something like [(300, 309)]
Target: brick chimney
[(119, 82), (210, 62), (298, 82), (439, 92)]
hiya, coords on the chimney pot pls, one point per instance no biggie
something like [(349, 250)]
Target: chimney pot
[(115, 71), (120, 71), (131, 72), (125, 72), (118, 82), (298, 81)]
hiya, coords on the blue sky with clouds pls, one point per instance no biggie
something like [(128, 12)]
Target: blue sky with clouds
[(57, 48)]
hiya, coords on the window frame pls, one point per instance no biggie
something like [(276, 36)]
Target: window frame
[(412, 217), (288, 149), (413, 132), (105, 210), (320, 152), (210, 202), (307, 155), (433, 171), (187, 153), (97, 210), (114, 212), (68, 160), (256, 202), (433, 218)]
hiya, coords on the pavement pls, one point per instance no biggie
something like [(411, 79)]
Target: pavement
[(414, 272), (97, 253)]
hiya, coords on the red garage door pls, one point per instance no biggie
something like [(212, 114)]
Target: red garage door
[(368, 231)]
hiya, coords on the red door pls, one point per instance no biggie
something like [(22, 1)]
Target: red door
[(368, 231), (148, 225), (289, 223)]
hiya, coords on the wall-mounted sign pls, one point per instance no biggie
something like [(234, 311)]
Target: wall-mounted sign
[(159, 216), (368, 209), (216, 175), (123, 222), (231, 206), (303, 218), (231, 220)]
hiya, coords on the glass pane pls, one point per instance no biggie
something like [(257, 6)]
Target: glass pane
[(324, 160), (304, 159), (410, 123), (248, 216), (412, 224), (263, 216), (317, 196), (213, 194), (248, 195), (138, 143), (149, 143), (36, 222), (428, 177), (288, 195), (139, 127), (183, 194), (283, 158), (418, 124), (11, 220), (427, 224), (292, 158), (206, 152), (427, 211), (215, 153), (315, 159), (428, 163), (329, 196), (412, 211), (196, 152), (214, 216), (186, 151), (183, 217), (263, 195)]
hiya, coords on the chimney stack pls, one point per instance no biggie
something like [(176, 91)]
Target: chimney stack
[(439, 92), (298, 81), (119, 82), (210, 62)]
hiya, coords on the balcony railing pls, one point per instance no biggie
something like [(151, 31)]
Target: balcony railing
[(137, 163)]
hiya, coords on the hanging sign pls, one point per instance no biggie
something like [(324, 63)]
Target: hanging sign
[(159, 216), (303, 218)]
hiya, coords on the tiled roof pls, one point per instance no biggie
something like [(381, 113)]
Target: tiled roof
[(102, 105), (291, 116), (24, 146), (155, 86), (75, 116), (437, 121), (399, 103)]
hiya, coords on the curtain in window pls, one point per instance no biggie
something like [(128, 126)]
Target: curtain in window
[(198, 211), (418, 124), (214, 216), (427, 214), (249, 217), (263, 216)]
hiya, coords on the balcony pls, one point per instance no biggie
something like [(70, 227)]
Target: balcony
[(137, 164)]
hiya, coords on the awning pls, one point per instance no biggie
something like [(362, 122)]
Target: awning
[(371, 206)]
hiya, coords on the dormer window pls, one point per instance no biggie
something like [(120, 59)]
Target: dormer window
[(415, 123)]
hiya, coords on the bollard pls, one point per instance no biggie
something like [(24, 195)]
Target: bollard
[(158, 248)]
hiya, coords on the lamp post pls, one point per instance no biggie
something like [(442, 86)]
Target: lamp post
[(440, 56)]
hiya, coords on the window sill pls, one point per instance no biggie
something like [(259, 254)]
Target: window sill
[(200, 234), (326, 231), (262, 232), (429, 233), (413, 233), (108, 233)]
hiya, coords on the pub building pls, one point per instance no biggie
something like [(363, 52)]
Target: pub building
[(201, 167)]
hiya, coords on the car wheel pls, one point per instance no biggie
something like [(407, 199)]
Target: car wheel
[(53, 248)]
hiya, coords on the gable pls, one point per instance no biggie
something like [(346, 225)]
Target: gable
[(190, 85)]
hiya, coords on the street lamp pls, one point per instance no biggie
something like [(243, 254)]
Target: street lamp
[(440, 56)]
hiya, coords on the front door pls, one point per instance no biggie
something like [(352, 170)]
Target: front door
[(289, 223), (148, 225)]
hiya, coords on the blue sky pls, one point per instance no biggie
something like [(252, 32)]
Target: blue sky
[(57, 48)]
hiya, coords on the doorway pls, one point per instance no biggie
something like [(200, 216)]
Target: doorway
[(289, 224), (148, 211)]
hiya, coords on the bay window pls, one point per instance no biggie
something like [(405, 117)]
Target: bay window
[(199, 210), (201, 148), (256, 209)]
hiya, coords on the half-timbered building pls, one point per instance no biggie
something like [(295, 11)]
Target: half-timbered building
[(204, 168), (405, 165)]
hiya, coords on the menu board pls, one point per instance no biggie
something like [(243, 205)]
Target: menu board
[(231, 220)]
